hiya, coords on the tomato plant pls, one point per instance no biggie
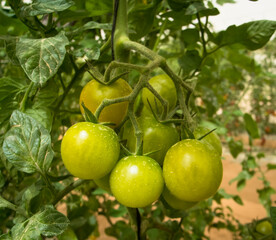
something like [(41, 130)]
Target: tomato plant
[(192, 170), (82, 150), (136, 181), (60, 176), (157, 137), (94, 93)]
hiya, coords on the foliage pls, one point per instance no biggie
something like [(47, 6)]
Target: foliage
[(48, 52)]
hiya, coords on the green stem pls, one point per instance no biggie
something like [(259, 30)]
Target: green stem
[(135, 220), (70, 85), (162, 29), (121, 32), (68, 189), (202, 35), (26, 95)]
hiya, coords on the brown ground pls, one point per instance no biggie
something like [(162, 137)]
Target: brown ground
[(251, 209)]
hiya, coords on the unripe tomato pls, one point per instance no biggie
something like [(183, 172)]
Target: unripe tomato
[(264, 227), (175, 202), (136, 181), (94, 93), (157, 137), (90, 151), (164, 85), (192, 170), (212, 138)]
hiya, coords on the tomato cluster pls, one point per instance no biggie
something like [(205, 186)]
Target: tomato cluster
[(180, 172)]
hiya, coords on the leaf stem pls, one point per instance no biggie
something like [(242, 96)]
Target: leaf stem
[(68, 189), (26, 95)]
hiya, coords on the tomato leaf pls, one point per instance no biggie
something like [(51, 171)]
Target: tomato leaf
[(236, 147), (48, 222), (199, 7), (253, 35), (40, 7), (41, 58), (189, 61), (27, 145), (271, 166), (251, 126)]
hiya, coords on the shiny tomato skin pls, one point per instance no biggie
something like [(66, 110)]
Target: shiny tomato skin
[(136, 181), (94, 93), (164, 85), (212, 138), (157, 137), (175, 202), (192, 170), (90, 151), (264, 227)]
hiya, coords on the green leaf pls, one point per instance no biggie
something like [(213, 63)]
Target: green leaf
[(251, 126), (40, 7), (27, 145), (11, 25), (48, 222), (253, 35), (243, 175), (41, 58), (273, 218), (89, 49), (271, 166), (9, 88), (236, 147), (6, 204), (199, 7), (6, 236), (46, 96), (190, 61), (265, 194), (190, 36), (146, 12), (42, 115), (92, 25), (98, 8)]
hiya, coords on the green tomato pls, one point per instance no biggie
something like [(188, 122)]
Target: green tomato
[(136, 181), (157, 137), (175, 202), (212, 138), (94, 93), (264, 227), (164, 85), (192, 170), (90, 151)]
